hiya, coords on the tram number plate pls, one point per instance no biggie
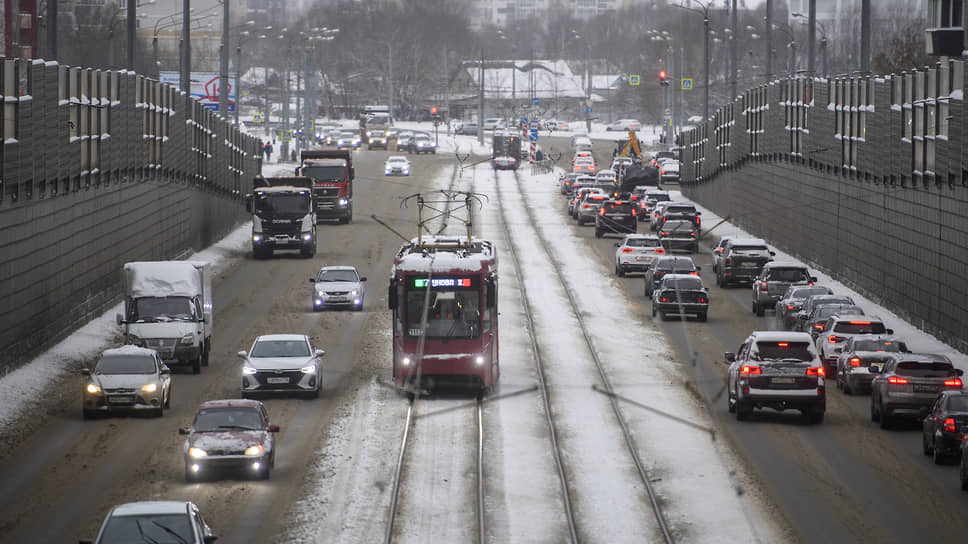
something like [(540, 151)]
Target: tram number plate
[(277, 380), (416, 332)]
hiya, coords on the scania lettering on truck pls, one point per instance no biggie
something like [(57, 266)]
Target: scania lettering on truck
[(168, 308), (283, 215), (332, 174)]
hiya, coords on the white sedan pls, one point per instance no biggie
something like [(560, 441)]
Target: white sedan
[(625, 125), (397, 166), (279, 363)]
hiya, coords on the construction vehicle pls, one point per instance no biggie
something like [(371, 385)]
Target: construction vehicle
[(332, 173)]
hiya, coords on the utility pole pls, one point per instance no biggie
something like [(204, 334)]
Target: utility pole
[(51, 30), (285, 109), (238, 79), (705, 58), (309, 114), (447, 89), (186, 68), (769, 41), (865, 36), (265, 117), (480, 104), (390, 77), (132, 29), (812, 37), (733, 52), (223, 71)]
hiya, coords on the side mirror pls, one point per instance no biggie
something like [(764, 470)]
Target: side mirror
[(729, 356), (923, 412), (85, 541), (707, 289), (618, 244), (889, 331), (320, 352), (86, 371), (772, 254), (392, 297), (312, 280), (209, 539), (184, 430), (119, 318), (698, 268), (874, 369), (363, 278), (165, 371), (248, 203), (802, 316), (813, 279), (296, 173), (273, 428), (960, 372), (243, 354)]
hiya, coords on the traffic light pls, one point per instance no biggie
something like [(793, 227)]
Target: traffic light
[(433, 110), (663, 78)]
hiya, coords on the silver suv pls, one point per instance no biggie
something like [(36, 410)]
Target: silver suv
[(779, 370), (839, 328), (774, 279), (910, 382)]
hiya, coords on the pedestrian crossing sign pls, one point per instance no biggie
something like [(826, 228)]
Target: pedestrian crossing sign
[(634, 79), (687, 84), (256, 117)]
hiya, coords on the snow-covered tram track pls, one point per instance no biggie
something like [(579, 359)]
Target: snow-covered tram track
[(417, 498), (599, 509)]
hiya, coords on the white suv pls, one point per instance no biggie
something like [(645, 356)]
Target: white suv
[(839, 329)]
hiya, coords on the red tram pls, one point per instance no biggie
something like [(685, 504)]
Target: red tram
[(443, 294)]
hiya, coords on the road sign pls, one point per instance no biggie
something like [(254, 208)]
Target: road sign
[(667, 113), (534, 101), (533, 135), (524, 121), (287, 135), (534, 126), (687, 84), (633, 79), (257, 117)]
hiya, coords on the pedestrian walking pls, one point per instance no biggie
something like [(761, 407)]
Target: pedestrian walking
[(268, 151)]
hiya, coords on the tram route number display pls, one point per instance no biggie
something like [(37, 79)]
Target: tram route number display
[(437, 283)]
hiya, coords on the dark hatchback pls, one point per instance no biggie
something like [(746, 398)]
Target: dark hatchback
[(679, 294), (616, 217), (943, 429), (668, 265), (679, 234)]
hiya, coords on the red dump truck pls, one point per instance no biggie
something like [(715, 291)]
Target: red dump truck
[(332, 173)]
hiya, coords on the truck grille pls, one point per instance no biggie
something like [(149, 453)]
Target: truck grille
[(270, 229), (327, 191)]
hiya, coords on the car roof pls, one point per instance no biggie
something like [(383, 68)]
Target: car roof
[(641, 237), (681, 276), (747, 241), (141, 508), (288, 337), (127, 350), (780, 336), (338, 267), (871, 318), (860, 337), (676, 259), (230, 403), (784, 264), (921, 357)]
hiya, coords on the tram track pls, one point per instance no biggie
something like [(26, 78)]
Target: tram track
[(406, 464), (588, 341)]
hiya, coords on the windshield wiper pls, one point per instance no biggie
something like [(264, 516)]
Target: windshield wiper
[(237, 427), (141, 532), (169, 531)]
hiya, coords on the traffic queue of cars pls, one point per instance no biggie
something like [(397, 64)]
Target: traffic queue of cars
[(820, 335)]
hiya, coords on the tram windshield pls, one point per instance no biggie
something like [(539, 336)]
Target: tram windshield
[(451, 313)]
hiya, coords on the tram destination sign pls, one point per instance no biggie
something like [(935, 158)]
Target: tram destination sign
[(437, 283)]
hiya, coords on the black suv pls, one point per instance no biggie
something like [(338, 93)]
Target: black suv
[(741, 261), (616, 216), (668, 265)]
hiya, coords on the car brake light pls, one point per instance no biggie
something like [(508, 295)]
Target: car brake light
[(834, 339), (692, 234), (633, 211), (789, 306), (659, 251), (855, 361), (664, 233), (764, 286), (718, 250), (816, 371), (860, 322), (662, 171), (818, 326), (949, 425), (694, 273), (748, 370), (782, 344), (702, 300), (663, 299), (896, 380), (955, 382), (627, 250), (601, 211)]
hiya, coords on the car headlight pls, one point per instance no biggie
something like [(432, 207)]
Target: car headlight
[(150, 388), (307, 236), (135, 340), (354, 292), (256, 237), (197, 452), (248, 371), (93, 389), (343, 202), (188, 339), (308, 369), (253, 451)]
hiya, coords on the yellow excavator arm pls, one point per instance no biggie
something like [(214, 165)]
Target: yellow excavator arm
[(631, 148)]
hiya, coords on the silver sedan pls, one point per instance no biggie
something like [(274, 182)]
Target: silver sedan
[(282, 363)]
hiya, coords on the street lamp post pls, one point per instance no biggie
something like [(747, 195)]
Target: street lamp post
[(792, 44), (186, 53), (705, 34)]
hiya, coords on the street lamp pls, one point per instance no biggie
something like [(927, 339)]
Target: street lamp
[(244, 37), (172, 22), (705, 71), (823, 43), (792, 44)]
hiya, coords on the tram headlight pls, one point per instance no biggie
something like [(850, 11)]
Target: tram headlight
[(479, 360), (406, 361)]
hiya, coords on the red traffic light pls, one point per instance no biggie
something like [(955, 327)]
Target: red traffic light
[(433, 110), (662, 74)]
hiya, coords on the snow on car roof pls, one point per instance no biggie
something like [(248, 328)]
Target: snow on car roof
[(338, 267), (748, 241), (785, 264), (397, 158), (142, 508), (783, 336), (127, 350), (641, 237), (229, 403), (282, 336)]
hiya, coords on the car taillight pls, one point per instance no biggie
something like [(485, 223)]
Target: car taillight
[(585, 206), (789, 306), (702, 300), (659, 251), (818, 326), (949, 425), (897, 380), (662, 170), (954, 382), (693, 234), (694, 273), (855, 361), (627, 250), (664, 233), (633, 211), (664, 299), (718, 250), (834, 339), (816, 371), (764, 286), (601, 211), (748, 370)]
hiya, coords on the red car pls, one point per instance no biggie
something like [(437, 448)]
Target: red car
[(230, 435)]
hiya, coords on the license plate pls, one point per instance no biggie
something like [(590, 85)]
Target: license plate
[(277, 380), (121, 399), (338, 299), (282, 240), (924, 388), (749, 265), (643, 258), (782, 380)]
